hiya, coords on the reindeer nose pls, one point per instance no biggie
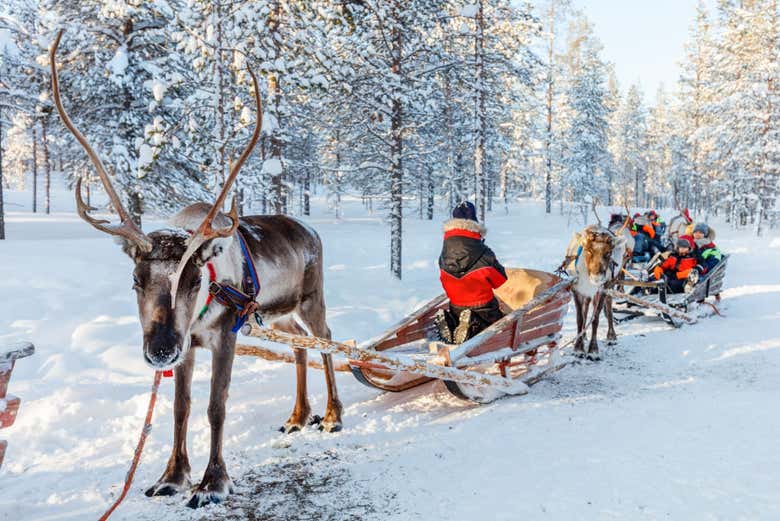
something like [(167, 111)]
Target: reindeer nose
[(164, 360)]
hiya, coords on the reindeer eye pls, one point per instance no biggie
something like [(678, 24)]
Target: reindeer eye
[(136, 284)]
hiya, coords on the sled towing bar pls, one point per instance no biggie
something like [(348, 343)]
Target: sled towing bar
[(672, 312), (433, 365)]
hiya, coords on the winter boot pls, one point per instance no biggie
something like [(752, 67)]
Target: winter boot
[(442, 327), (461, 332)]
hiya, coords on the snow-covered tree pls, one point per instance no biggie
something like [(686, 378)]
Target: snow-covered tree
[(588, 155), (631, 150)]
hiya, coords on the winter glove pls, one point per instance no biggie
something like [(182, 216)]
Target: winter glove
[(683, 274)]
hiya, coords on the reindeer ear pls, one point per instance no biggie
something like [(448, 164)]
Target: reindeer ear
[(129, 247)]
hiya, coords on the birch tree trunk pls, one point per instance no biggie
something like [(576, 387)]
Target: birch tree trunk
[(396, 153), (35, 168), (46, 166), (480, 184), (548, 135), (2, 202), (276, 145)]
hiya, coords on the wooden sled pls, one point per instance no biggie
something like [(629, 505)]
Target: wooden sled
[(674, 308), (521, 347), (9, 404), (504, 359)]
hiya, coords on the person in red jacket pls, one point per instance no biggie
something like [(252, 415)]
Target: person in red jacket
[(469, 272), (680, 267)]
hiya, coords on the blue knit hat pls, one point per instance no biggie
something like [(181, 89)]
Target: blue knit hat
[(701, 227), (464, 210)]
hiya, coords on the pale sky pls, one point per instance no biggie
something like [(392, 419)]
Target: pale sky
[(642, 38)]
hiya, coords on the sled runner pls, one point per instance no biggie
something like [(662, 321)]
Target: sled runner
[(675, 308)]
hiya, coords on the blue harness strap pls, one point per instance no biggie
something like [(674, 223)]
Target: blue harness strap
[(241, 302), (577, 258)]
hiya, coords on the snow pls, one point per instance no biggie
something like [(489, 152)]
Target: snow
[(672, 424), (7, 44), (118, 64), (469, 10), (145, 156), (158, 90), (272, 166)]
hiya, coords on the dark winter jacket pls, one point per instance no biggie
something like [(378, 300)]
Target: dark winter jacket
[(708, 255), (469, 270)]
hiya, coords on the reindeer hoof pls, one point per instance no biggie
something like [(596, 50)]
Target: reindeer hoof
[(289, 429), (330, 426), (211, 491), (162, 490), (579, 354), (315, 420), (201, 499), (612, 341), (167, 487), (594, 356)]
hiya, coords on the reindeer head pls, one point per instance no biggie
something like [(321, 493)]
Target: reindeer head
[(598, 247), (167, 275), (165, 326)]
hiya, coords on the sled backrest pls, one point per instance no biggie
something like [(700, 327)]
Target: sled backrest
[(523, 285)]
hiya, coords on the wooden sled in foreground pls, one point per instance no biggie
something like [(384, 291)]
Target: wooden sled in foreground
[(674, 308), (522, 347), (515, 352)]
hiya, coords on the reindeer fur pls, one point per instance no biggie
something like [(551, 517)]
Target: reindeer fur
[(288, 258), (598, 266)]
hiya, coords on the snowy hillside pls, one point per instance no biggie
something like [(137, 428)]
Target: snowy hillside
[(673, 424)]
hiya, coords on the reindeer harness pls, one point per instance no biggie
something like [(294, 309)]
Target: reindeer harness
[(241, 302)]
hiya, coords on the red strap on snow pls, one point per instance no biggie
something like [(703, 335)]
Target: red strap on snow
[(139, 448)]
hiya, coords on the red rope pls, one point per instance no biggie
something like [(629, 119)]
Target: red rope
[(139, 448), (714, 308)]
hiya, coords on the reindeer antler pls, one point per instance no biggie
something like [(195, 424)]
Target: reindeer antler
[(126, 227), (593, 206), (206, 231), (628, 218)]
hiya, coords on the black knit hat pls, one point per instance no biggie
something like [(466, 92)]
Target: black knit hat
[(464, 210)]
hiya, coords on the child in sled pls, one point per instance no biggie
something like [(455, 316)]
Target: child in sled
[(708, 254), (681, 269), (469, 272), (644, 236)]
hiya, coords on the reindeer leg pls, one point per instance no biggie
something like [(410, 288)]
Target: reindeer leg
[(593, 347), (581, 307), (176, 478), (301, 412), (331, 422), (216, 483), (313, 315), (611, 335)]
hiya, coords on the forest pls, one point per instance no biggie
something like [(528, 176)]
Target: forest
[(409, 105)]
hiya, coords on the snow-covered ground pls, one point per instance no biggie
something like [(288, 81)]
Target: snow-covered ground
[(673, 424)]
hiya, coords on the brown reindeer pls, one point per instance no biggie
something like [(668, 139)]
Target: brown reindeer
[(594, 257), (172, 282)]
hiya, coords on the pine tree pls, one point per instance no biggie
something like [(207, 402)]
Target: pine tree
[(588, 157), (631, 157), (658, 154)]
